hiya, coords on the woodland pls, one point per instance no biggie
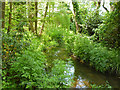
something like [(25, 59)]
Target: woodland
[(42, 40)]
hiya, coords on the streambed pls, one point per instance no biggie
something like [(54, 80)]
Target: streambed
[(82, 74)]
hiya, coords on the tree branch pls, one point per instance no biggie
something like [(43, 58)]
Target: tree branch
[(105, 7), (44, 19)]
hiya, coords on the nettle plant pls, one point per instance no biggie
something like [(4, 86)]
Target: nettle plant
[(30, 70), (82, 47), (55, 33), (93, 53), (13, 43)]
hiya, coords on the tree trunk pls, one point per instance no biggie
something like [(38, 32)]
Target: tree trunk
[(76, 24), (98, 6), (36, 11), (44, 19), (74, 14), (99, 2), (10, 16), (95, 3), (3, 14), (30, 18)]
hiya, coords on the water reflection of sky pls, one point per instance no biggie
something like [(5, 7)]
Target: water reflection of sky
[(79, 81), (84, 75), (70, 73), (81, 74)]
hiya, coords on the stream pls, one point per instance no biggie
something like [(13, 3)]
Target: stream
[(82, 74)]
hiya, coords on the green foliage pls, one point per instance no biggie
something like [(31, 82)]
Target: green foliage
[(18, 15), (104, 59), (82, 47), (101, 86), (72, 27), (27, 70), (91, 22), (94, 53), (77, 11), (14, 42), (69, 41), (30, 70), (56, 78), (62, 19), (108, 32), (87, 17), (24, 62), (54, 33)]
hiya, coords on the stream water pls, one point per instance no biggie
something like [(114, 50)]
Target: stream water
[(82, 74)]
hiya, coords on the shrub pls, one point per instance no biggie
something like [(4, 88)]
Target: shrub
[(106, 85), (103, 59), (82, 47), (54, 33), (69, 40), (94, 53), (12, 43), (30, 70), (108, 33)]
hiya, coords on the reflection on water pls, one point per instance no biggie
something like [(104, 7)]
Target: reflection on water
[(85, 75), (82, 74)]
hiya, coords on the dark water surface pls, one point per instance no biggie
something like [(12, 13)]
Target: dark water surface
[(82, 74)]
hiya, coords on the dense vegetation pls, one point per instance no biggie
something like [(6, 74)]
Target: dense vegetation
[(85, 33)]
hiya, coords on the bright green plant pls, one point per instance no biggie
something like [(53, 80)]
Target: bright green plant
[(82, 47), (104, 59), (30, 70), (106, 85), (56, 78), (54, 33), (108, 32), (13, 43), (94, 53), (69, 40)]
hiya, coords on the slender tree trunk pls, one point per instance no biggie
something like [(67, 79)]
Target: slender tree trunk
[(99, 2), (76, 24), (10, 16), (29, 14), (3, 14), (98, 6), (36, 11), (74, 14), (44, 19), (95, 3), (30, 18), (31, 23)]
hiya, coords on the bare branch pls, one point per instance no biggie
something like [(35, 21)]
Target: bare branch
[(104, 6)]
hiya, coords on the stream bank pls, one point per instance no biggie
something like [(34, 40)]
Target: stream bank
[(82, 74)]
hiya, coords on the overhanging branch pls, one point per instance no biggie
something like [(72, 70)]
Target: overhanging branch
[(104, 6)]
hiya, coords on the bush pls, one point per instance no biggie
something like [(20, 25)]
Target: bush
[(108, 33), (94, 53), (69, 40), (82, 47), (104, 59), (12, 43), (56, 78), (30, 70), (54, 33), (106, 85)]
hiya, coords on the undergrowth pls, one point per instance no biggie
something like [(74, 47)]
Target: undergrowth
[(28, 67), (95, 54)]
